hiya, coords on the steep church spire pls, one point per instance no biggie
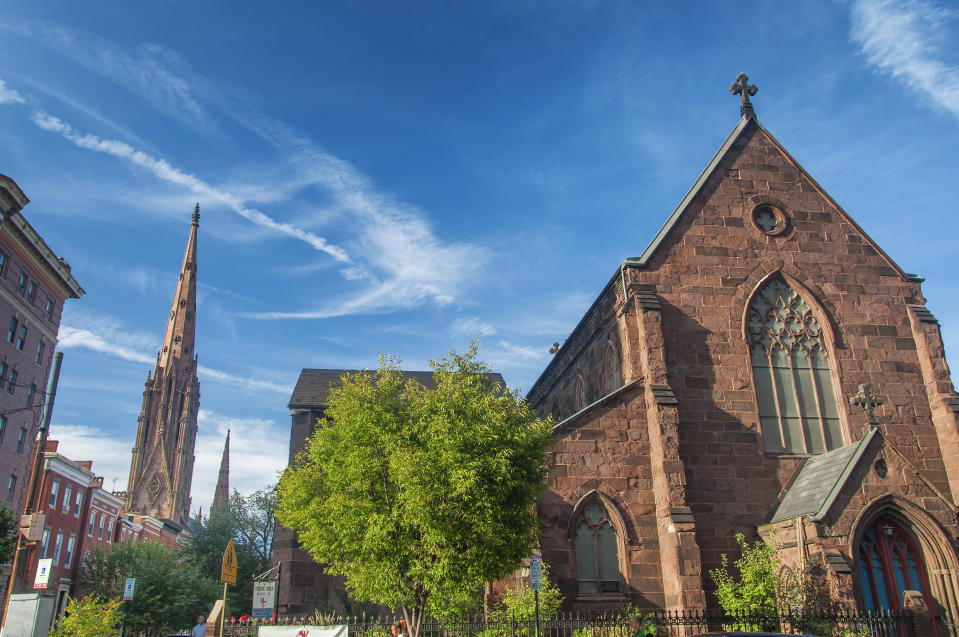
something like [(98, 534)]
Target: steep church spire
[(180, 330), (161, 469), (221, 497)]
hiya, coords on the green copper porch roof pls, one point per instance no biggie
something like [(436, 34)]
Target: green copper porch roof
[(820, 480)]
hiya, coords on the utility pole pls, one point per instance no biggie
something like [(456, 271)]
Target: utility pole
[(35, 490)]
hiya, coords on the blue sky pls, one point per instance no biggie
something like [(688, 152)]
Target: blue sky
[(398, 177)]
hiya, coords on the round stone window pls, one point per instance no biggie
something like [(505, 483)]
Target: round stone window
[(769, 219)]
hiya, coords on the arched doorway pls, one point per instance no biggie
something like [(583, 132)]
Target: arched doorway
[(890, 563)]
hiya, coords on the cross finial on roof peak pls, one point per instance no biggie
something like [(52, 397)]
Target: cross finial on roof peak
[(742, 88), (865, 400)]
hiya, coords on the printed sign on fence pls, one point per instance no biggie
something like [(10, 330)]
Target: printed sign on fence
[(264, 594), (536, 573), (128, 588), (304, 631)]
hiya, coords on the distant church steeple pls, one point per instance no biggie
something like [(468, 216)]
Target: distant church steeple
[(221, 497), (161, 470)]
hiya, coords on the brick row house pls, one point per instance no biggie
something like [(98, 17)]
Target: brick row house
[(81, 516), (34, 284), (762, 365)]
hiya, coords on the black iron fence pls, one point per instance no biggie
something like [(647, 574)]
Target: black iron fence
[(611, 624)]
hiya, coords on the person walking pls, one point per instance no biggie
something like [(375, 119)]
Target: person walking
[(200, 629)]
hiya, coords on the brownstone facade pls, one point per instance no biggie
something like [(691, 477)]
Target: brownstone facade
[(665, 428)]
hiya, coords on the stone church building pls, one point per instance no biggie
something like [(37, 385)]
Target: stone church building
[(762, 365)]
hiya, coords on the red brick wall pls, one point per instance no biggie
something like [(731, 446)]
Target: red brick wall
[(24, 362)]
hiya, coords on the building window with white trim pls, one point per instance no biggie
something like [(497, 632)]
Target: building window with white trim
[(3, 427), (100, 531), (67, 492), (39, 357), (11, 487), (78, 504), (31, 292), (110, 531), (54, 491), (45, 542), (21, 439), (48, 311), (71, 545), (93, 522), (22, 284), (21, 337), (58, 546)]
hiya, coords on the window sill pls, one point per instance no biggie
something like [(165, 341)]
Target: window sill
[(598, 597)]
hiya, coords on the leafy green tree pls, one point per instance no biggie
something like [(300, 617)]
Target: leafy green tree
[(417, 495), (89, 617), (757, 588), (248, 521), (8, 535), (170, 591)]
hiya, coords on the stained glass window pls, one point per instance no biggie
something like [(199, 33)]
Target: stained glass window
[(797, 405), (890, 564)]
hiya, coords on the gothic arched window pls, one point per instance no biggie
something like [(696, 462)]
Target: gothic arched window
[(597, 552), (580, 397), (615, 375), (889, 564), (797, 405)]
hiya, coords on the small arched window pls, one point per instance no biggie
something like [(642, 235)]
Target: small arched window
[(597, 552), (580, 396), (797, 405)]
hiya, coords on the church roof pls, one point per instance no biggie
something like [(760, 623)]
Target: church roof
[(313, 386), (820, 480)]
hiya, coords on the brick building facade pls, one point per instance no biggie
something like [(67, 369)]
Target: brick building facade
[(715, 387), (34, 284)]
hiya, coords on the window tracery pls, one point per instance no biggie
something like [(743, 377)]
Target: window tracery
[(797, 406), (597, 552)]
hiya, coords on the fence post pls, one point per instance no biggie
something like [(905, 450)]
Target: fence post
[(922, 619)]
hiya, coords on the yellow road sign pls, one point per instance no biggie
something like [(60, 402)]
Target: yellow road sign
[(228, 570)]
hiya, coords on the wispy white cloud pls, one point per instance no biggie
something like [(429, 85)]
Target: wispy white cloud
[(259, 449), (523, 351), (395, 257), (110, 453), (155, 73), (163, 170), (105, 335), (87, 339), (404, 263), (472, 326), (8, 95), (911, 42)]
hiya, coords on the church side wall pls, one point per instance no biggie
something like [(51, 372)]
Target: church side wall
[(605, 453)]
